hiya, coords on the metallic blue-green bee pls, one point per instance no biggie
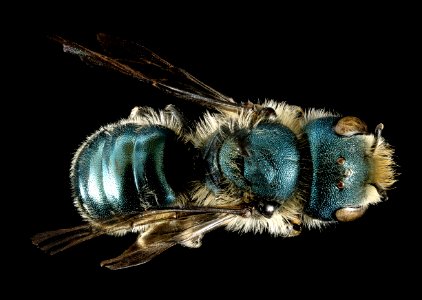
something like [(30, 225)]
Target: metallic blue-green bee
[(248, 167)]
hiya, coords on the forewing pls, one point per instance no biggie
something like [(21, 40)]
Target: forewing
[(162, 236), (59, 240), (56, 241), (136, 55), (146, 66), (181, 221)]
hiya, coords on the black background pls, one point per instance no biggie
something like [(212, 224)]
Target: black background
[(352, 66)]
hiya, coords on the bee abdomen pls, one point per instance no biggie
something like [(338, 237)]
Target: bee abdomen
[(125, 168)]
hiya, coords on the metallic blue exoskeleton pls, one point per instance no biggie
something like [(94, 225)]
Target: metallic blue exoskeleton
[(270, 166), (340, 169), (247, 166), (123, 163), (263, 161)]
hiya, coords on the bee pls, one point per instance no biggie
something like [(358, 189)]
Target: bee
[(248, 167)]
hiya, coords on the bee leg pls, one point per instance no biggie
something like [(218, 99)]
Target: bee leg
[(296, 226), (266, 113), (260, 112)]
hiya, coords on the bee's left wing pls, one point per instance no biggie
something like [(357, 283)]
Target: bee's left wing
[(135, 60)]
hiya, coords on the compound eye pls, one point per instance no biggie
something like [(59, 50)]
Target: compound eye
[(348, 214), (348, 126)]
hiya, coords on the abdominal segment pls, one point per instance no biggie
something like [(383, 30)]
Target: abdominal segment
[(126, 168)]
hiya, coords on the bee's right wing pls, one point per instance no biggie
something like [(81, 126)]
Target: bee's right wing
[(167, 227), (186, 231), (137, 61), (55, 241)]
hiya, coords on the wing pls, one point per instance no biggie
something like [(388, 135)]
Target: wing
[(160, 237), (134, 60), (167, 227), (138, 56), (59, 240)]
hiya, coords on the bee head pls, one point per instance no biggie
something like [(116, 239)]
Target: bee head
[(352, 168), (381, 175)]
